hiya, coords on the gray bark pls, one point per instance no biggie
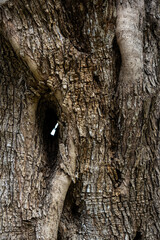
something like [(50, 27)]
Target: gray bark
[(91, 66)]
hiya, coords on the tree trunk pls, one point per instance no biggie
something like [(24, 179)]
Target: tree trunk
[(92, 67)]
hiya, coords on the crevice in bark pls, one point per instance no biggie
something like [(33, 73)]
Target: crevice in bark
[(114, 111), (115, 175), (72, 210), (73, 14), (50, 141), (48, 120), (117, 61), (138, 236), (97, 80)]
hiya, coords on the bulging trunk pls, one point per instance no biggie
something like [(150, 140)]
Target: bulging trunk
[(88, 70)]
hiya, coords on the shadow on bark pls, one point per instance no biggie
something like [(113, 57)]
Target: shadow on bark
[(138, 236), (47, 120), (72, 211), (114, 112)]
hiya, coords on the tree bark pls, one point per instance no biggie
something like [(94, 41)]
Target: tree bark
[(93, 68)]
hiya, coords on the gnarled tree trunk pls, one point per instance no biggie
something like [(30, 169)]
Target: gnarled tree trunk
[(92, 67)]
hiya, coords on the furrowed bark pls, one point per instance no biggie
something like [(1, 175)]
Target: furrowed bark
[(91, 67)]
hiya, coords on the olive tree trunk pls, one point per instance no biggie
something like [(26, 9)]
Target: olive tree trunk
[(91, 69)]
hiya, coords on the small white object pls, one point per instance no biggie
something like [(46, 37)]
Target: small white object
[(88, 189), (54, 130)]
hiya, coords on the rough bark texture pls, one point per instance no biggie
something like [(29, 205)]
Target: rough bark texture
[(91, 66)]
